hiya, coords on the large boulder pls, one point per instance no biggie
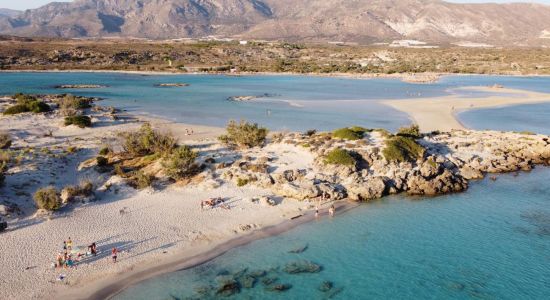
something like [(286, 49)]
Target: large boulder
[(295, 190), (364, 189), (446, 182)]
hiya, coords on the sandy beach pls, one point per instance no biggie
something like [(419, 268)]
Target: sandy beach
[(151, 228), (440, 113)]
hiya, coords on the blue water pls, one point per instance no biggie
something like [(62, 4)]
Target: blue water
[(492, 242), (321, 103)]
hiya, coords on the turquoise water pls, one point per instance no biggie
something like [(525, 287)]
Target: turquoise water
[(295, 102), (492, 242)]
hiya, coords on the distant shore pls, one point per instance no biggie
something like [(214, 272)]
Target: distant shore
[(415, 78)]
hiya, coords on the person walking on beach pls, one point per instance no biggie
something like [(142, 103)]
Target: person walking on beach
[(114, 253), (64, 246)]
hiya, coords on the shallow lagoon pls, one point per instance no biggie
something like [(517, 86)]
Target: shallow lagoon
[(295, 102), (492, 242)]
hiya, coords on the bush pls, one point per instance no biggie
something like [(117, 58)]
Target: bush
[(104, 151), (339, 157), (402, 149), (85, 189), (412, 131), (244, 134), (80, 121), (141, 181), (47, 198), (180, 163), (27, 103), (5, 140), (360, 130), (347, 134), (146, 141), (69, 105), (242, 182)]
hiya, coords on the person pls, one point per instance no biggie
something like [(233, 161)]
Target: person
[(202, 205), (69, 244), (114, 253), (59, 260), (331, 210), (316, 211), (93, 249), (64, 246)]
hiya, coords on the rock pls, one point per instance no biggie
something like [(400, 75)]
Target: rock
[(302, 266), (299, 249), (228, 287), (325, 286), (247, 281), (470, 173), (299, 192), (5, 210), (3, 225), (265, 200), (278, 287), (366, 189)]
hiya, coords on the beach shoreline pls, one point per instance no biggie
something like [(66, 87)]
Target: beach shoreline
[(186, 260)]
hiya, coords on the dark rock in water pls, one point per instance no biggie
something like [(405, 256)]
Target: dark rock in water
[(257, 273), (334, 292), (302, 266), (247, 281), (228, 288), (299, 249), (80, 86), (269, 280), (171, 84), (203, 290), (240, 272), (223, 273), (278, 287), (174, 297), (325, 286)]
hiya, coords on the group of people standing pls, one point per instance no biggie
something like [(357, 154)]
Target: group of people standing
[(68, 259), (331, 210)]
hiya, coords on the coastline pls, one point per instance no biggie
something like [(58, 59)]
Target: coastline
[(399, 76), (186, 260)]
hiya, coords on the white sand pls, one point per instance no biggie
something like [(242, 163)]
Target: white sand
[(439, 113), (154, 228)]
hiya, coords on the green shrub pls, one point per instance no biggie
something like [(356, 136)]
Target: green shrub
[(383, 132), (27, 103), (80, 121), (402, 149), (5, 140), (72, 102), (47, 198), (244, 134), (412, 131), (242, 182), (180, 163), (340, 157), (85, 189), (347, 134), (360, 130), (104, 151), (141, 181), (146, 141), (16, 109)]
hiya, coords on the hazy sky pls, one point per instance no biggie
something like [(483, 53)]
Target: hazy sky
[(25, 4)]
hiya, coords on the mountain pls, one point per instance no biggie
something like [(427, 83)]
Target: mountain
[(5, 12), (363, 21)]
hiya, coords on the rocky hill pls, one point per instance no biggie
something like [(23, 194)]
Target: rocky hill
[(363, 21), (4, 12)]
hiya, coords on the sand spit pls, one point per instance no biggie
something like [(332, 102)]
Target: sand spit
[(440, 113)]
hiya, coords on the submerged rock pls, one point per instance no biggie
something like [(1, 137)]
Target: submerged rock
[(302, 266), (325, 286), (278, 287), (299, 249), (247, 281), (228, 287)]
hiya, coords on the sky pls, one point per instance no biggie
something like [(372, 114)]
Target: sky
[(26, 4)]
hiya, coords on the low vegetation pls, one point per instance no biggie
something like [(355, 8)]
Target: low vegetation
[(180, 163), (244, 135), (412, 131), (5, 140), (402, 149), (80, 121), (47, 198), (140, 180), (147, 141), (340, 157), (70, 105), (27, 103), (347, 134), (84, 189)]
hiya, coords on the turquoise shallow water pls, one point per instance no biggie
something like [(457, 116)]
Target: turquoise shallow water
[(296, 103), (492, 242)]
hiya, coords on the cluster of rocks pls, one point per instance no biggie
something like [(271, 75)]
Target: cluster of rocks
[(80, 86), (449, 161)]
